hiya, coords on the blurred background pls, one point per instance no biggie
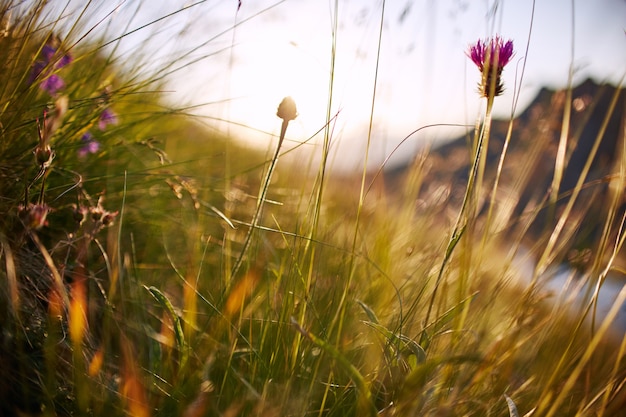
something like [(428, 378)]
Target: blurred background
[(233, 61)]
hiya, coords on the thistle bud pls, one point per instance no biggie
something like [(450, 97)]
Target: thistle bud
[(44, 155), (34, 216), (287, 109)]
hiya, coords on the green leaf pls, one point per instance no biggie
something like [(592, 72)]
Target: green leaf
[(444, 319), (344, 363), (179, 336), (407, 342), (370, 313)]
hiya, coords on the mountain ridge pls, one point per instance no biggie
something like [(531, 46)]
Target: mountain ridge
[(529, 166)]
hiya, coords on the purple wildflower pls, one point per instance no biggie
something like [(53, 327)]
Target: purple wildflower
[(491, 56), (48, 51), (64, 61), (90, 145), (52, 84), (38, 68), (107, 117), (43, 67)]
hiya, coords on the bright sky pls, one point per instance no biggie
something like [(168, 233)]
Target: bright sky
[(247, 60)]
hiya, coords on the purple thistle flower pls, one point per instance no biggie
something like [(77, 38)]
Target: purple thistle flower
[(107, 117), (491, 56)]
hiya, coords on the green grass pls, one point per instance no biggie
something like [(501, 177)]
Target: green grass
[(127, 298)]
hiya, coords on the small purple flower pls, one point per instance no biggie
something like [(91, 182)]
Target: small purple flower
[(52, 84), (47, 52), (43, 67), (90, 145), (107, 117), (38, 68), (491, 56), (64, 61)]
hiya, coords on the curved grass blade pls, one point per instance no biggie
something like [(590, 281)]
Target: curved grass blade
[(345, 364), (393, 338), (444, 319), (166, 304), (512, 407)]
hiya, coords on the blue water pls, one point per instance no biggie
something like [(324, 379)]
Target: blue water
[(567, 283), (569, 288)]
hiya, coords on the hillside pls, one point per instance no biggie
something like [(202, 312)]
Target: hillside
[(529, 167)]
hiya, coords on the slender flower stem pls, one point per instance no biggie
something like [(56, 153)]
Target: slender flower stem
[(287, 112), (482, 154), (259, 204), (490, 56), (468, 207)]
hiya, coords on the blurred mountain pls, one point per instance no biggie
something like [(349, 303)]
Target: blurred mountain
[(598, 119)]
